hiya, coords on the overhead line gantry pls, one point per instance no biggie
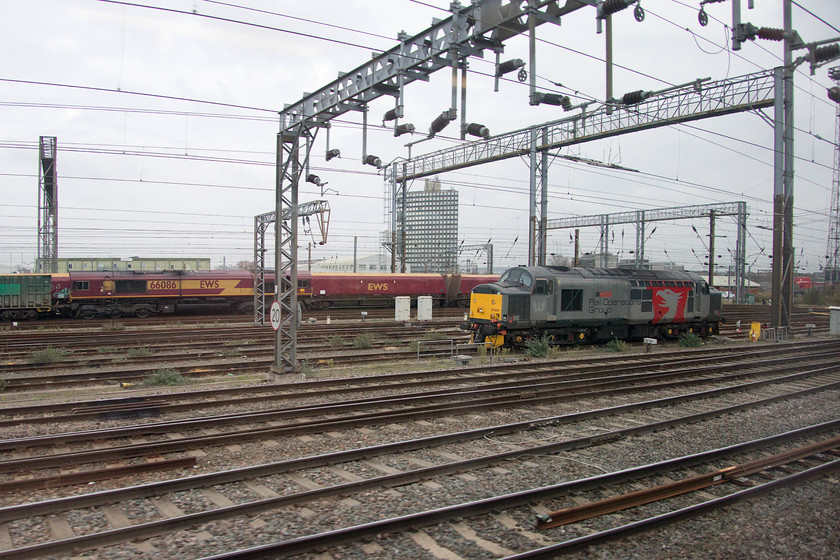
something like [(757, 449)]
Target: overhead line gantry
[(448, 43)]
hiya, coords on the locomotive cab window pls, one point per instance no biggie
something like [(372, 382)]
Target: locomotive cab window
[(517, 276), (543, 287), (81, 286)]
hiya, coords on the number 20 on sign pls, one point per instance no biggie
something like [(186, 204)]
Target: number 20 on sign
[(275, 315)]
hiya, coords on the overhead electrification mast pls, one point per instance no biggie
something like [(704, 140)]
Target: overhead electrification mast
[(47, 261), (469, 31)]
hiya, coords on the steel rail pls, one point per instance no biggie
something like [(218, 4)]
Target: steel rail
[(509, 393), (158, 448), (670, 517), (403, 378), (154, 528), (114, 409), (683, 486), (413, 521)]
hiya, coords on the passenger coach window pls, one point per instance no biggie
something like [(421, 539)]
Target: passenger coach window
[(571, 300)]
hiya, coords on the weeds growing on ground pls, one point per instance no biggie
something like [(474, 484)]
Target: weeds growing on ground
[(139, 352), (165, 376), (616, 345), (690, 340), (363, 340), (47, 355)]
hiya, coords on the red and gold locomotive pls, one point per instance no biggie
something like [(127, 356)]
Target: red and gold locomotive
[(141, 294)]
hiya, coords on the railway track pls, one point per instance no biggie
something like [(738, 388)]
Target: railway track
[(354, 314), (404, 471), (329, 390)]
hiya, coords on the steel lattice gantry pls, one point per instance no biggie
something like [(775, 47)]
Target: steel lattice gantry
[(469, 31), (47, 261), (832, 251), (642, 217), (487, 248), (320, 208), (686, 103)]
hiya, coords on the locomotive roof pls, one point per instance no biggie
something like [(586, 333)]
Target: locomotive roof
[(154, 274), (616, 273)]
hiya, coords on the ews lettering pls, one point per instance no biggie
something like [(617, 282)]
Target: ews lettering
[(209, 284), (377, 287)]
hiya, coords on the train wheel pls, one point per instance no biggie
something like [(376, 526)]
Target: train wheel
[(114, 313), (143, 312), (87, 313)]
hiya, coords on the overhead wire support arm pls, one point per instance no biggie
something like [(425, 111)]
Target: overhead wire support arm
[(318, 208), (472, 29), (716, 98)]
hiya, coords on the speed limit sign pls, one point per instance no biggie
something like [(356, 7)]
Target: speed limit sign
[(275, 315)]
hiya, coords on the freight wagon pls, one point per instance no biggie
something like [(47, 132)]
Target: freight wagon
[(23, 296)]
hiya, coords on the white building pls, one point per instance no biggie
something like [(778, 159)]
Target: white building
[(431, 229)]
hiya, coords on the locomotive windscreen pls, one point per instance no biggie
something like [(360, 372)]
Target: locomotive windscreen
[(517, 276)]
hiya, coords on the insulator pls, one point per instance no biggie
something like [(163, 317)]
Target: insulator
[(633, 97), (475, 129), (401, 129), (440, 123), (391, 115), (314, 179), (555, 99), (334, 153), (509, 66), (373, 160), (639, 13), (613, 6), (770, 33), (834, 94), (828, 52)]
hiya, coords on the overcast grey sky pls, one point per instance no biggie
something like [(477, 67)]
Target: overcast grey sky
[(182, 169)]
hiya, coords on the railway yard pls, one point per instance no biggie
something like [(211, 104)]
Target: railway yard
[(384, 450)]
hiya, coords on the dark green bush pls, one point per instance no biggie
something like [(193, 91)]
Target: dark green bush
[(690, 340)]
